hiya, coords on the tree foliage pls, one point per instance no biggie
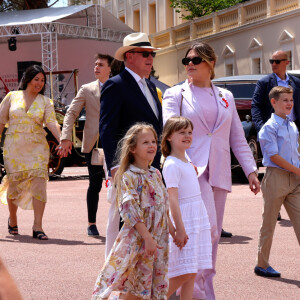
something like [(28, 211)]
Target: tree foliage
[(77, 2), (7, 5), (199, 8)]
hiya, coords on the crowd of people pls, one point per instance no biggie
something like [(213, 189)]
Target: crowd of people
[(168, 164)]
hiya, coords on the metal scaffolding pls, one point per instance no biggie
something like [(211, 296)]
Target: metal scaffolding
[(50, 62), (51, 31)]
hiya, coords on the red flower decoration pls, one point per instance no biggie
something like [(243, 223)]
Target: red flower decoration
[(225, 101), (107, 183)]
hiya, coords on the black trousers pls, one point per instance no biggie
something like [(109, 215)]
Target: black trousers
[(96, 175)]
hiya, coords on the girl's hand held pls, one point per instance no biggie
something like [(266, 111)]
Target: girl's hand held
[(180, 238), (151, 246)]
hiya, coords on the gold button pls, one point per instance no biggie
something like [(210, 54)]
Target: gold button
[(209, 134)]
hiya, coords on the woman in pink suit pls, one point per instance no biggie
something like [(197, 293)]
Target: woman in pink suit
[(217, 127)]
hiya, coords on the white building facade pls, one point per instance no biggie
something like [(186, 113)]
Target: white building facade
[(243, 36), (148, 16)]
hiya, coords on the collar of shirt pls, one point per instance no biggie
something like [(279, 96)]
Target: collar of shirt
[(135, 76), (280, 120), (100, 83), (283, 81)]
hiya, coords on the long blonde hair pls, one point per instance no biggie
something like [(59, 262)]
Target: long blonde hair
[(124, 151), (172, 125)]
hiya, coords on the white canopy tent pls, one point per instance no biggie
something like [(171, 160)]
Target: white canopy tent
[(49, 25)]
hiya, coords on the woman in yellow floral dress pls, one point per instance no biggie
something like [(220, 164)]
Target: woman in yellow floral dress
[(138, 261), (26, 151)]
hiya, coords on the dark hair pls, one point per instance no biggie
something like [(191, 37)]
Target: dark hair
[(276, 91), (117, 66), (207, 53), (172, 125), (29, 74), (105, 56)]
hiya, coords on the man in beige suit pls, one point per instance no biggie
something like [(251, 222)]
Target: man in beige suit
[(88, 98)]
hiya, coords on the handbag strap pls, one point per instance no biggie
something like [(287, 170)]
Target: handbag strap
[(97, 141)]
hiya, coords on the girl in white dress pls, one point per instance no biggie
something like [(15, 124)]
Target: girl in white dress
[(191, 249)]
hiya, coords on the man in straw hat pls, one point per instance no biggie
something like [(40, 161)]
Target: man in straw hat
[(126, 99)]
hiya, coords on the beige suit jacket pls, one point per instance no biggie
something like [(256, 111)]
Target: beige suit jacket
[(89, 97)]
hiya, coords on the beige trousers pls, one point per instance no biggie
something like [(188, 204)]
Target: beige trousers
[(278, 187)]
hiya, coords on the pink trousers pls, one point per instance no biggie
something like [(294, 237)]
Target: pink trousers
[(214, 200)]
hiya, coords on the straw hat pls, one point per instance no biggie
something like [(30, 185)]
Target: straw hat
[(132, 41)]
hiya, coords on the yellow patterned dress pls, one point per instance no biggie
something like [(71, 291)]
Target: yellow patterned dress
[(127, 268), (25, 150)]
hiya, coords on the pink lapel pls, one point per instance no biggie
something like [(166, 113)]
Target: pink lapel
[(221, 105), (192, 102)]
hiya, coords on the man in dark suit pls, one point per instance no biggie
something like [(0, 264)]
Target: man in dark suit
[(126, 99), (261, 108)]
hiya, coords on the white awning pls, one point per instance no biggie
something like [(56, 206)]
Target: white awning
[(42, 15), (76, 21)]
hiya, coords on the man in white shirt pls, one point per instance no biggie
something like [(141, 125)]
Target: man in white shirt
[(88, 98)]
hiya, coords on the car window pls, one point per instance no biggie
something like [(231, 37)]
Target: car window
[(240, 90)]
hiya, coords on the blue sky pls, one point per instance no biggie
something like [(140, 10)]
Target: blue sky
[(60, 3)]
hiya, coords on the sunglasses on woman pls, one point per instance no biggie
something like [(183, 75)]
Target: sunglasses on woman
[(195, 60), (276, 61), (145, 54)]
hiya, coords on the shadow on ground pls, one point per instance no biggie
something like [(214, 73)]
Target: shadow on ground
[(236, 239), (285, 223), (29, 240), (286, 280)]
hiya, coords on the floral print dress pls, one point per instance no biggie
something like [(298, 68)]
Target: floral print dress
[(25, 150), (127, 268)]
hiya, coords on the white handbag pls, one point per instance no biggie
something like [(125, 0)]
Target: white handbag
[(97, 158)]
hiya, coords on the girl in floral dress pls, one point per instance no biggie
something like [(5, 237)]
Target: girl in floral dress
[(138, 262), (191, 249)]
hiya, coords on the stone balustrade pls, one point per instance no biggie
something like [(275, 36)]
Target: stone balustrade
[(285, 5), (223, 20)]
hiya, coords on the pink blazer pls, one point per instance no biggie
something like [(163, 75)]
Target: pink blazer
[(212, 148)]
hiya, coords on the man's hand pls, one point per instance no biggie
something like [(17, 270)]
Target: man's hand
[(254, 183), (64, 148)]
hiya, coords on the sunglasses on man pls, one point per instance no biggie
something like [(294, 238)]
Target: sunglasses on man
[(195, 60), (145, 54), (276, 61)]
